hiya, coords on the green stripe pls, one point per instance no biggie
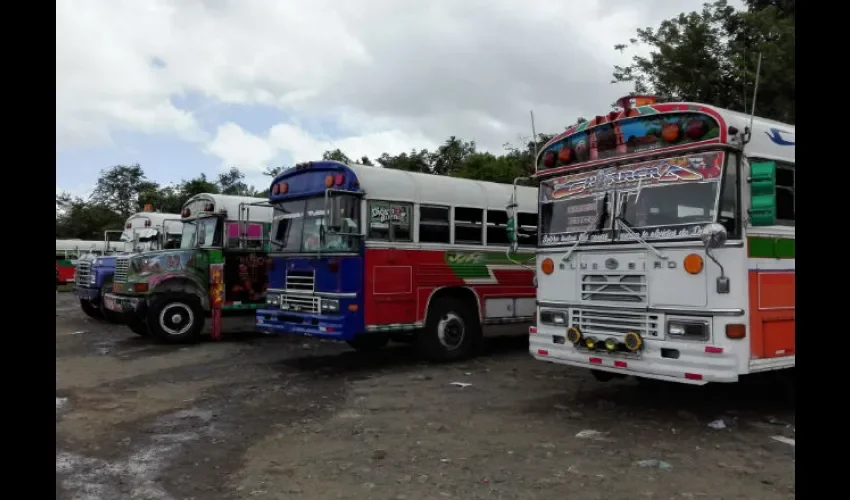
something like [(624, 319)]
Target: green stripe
[(242, 306), (771, 248)]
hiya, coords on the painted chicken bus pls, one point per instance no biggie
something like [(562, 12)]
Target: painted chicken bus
[(220, 266), (667, 244), (365, 254), (142, 231)]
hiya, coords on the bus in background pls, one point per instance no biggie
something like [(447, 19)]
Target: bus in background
[(143, 231), (667, 244), (68, 252), (366, 254), (219, 265)]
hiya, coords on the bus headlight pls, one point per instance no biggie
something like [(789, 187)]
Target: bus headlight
[(554, 318), (93, 278), (330, 305), (688, 329), (273, 299)]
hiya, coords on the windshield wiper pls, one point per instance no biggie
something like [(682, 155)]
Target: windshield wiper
[(621, 209), (597, 225)]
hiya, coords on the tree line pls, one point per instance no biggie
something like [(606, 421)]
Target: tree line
[(708, 56)]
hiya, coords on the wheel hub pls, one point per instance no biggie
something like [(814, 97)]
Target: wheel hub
[(450, 331), (176, 318)]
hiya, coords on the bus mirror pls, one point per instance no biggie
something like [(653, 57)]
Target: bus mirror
[(334, 217), (512, 223), (762, 182), (713, 235)]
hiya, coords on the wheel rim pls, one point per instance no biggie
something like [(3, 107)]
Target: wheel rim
[(176, 318), (450, 331)]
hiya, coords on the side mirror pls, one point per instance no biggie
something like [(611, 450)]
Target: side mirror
[(762, 182), (713, 235), (334, 215), (511, 226)]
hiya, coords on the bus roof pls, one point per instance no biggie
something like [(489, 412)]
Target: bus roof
[(769, 139), (157, 219), (87, 245), (228, 204), (399, 185)]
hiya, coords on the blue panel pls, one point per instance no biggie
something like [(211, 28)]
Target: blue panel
[(309, 180), (333, 275)]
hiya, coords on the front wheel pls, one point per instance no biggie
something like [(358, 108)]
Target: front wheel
[(451, 330), (369, 342), (90, 309), (176, 318)]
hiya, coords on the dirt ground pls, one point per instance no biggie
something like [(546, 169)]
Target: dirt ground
[(254, 417)]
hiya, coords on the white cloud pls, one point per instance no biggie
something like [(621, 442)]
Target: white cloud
[(392, 75)]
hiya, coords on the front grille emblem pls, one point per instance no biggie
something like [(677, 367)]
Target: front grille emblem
[(611, 264)]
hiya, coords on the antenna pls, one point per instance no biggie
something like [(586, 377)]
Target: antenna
[(755, 95), (534, 141)]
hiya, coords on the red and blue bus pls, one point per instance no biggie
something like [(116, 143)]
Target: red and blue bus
[(366, 255)]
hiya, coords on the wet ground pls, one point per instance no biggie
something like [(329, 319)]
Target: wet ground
[(261, 418)]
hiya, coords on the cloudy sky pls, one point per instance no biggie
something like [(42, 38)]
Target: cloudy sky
[(190, 86)]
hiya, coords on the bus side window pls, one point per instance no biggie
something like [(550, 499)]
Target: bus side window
[(497, 234), (469, 225), (785, 206), (527, 225), (390, 221), (434, 224)]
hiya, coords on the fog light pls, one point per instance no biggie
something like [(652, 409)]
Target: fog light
[(330, 305), (273, 299), (611, 344), (590, 343), (633, 341), (574, 335)]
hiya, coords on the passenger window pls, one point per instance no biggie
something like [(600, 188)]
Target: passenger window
[(390, 221), (469, 225), (434, 224), (527, 228), (785, 201), (497, 223)]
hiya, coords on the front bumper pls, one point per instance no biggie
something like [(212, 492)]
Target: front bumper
[(276, 321), (123, 304), (694, 364), (92, 294)]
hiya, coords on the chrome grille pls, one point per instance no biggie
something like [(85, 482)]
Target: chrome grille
[(82, 273), (300, 281), (614, 287), (121, 266), (607, 323), (300, 303)]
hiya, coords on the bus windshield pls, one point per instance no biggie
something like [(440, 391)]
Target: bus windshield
[(668, 198), (299, 226), (203, 232)]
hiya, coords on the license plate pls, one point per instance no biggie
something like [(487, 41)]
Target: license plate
[(110, 303)]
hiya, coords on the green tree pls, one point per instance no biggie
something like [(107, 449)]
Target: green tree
[(336, 155), (711, 56), (232, 183), (118, 188)]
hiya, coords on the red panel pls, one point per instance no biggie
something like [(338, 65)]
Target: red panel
[(392, 280), (772, 314)]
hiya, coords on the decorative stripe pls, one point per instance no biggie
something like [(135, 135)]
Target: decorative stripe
[(394, 327), (772, 264), (508, 321), (775, 248), (239, 305)]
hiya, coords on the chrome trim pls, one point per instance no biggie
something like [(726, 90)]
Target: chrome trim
[(691, 311), (329, 295), (626, 246)]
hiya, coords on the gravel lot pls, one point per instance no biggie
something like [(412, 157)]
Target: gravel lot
[(253, 417)]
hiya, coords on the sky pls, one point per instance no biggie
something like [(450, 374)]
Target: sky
[(190, 86)]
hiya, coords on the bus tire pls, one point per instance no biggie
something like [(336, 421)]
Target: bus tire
[(451, 331), (176, 318), (110, 316), (369, 342), (138, 326), (90, 309)]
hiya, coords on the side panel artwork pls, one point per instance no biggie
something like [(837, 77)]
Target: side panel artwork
[(246, 277), (390, 300)]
